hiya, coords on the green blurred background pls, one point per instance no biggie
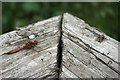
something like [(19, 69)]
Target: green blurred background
[(103, 16)]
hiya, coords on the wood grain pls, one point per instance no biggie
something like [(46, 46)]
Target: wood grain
[(83, 55)]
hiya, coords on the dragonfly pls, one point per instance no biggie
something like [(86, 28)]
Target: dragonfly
[(28, 44)]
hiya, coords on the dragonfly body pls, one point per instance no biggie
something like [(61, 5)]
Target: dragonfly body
[(30, 43)]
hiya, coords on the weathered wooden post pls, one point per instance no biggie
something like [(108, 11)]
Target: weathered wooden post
[(66, 47)]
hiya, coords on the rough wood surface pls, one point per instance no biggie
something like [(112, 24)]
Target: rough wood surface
[(37, 62), (83, 55), (86, 52)]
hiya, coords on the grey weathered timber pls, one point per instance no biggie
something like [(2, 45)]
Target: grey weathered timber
[(39, 61), (83, 55), (67, 48)]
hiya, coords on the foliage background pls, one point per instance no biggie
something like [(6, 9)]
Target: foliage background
[(103, 16)]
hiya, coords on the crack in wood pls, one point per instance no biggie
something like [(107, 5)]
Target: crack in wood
[(43, 33), (89, 45), (60, 48), (89, 49)]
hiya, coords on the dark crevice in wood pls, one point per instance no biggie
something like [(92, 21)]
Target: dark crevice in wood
[(89, 46), (106, 64), (60, 49), (47, 76), (89, 49), (70, 70)]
